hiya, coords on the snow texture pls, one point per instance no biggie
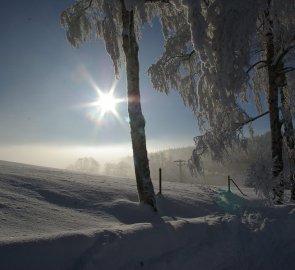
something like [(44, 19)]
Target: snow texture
[(57, 219)]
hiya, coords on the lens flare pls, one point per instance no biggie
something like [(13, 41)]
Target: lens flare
[(106, 102)]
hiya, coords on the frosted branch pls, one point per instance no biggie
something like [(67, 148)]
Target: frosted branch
[(286, 70), (252, 119), (183, 56), (257, 63)]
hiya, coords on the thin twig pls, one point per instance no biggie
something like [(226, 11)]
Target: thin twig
[(254, 65), (285, 70), (188, 56), (253, 119)]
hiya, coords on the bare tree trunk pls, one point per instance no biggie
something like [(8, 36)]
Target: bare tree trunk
[(137, 123), (275, 124), (289, 139), (288, 135)]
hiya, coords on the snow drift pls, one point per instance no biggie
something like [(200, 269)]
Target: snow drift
[(57, 219)]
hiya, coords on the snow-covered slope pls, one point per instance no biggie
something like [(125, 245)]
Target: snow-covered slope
[(57, 219)]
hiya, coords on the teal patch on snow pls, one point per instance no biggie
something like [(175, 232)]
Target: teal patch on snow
[(230, 202)]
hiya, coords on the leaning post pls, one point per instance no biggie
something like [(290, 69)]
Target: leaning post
[(160, 181), (228, 183)]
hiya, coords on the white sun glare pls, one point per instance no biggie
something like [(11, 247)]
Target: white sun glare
[(107, 103)]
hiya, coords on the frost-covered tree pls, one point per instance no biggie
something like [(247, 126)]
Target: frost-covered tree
[(190, 65), (269, 45), (213, 71), (275, 47), (118, 24)]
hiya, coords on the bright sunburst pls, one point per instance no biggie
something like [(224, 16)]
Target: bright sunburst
[(106, 101)]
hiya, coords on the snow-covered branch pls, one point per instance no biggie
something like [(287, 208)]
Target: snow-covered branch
[(255, 64), (252, 119), (183, 56), (285, 70), (219, 140)]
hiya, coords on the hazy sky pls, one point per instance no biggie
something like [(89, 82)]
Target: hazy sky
[(44, 89)]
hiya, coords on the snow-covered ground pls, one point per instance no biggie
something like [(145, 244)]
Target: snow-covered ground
[(56, 219)]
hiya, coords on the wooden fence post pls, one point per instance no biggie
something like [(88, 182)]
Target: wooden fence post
[(160, 181)]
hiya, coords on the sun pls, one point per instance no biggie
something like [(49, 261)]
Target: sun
[(107, 102)]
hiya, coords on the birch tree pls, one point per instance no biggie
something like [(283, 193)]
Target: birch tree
[(276, 32), (194, 63), (118, 24), (230, 39)]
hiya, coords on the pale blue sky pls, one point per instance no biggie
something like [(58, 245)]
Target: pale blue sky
[(42, 90)]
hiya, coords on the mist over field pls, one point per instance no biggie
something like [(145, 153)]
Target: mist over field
[(236, 164)]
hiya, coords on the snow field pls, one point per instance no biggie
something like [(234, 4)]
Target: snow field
[(55, 219)]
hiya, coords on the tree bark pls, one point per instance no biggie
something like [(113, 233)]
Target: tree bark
[(137, 122), (275, 124), (288, 135)]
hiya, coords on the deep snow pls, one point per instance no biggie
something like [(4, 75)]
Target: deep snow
[(57, 219)]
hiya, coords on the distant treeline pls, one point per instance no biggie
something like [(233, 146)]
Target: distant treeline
[(236, 164)]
